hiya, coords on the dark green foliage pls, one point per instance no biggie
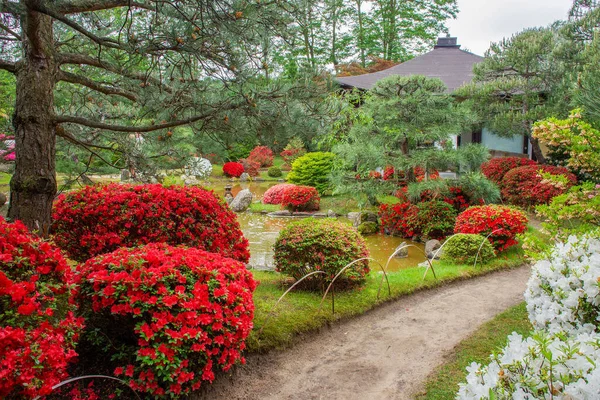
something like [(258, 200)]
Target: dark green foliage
[(321, 245), (313, 169), (274, 172), (462, 248), (435, 219)]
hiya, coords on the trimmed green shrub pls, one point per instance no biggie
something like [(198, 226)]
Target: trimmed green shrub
[(274, 172), (462, 248), (321, 245), (435, 219), (312, 169)]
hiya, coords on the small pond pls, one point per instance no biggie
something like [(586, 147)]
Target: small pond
[(262, 231)]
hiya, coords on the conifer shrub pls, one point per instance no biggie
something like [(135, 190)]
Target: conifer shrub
[(165, 318), (300, 198), (38, 327), (501, 223), (526, 186), (274, 194), (312, 169), (99, 219), (324, 245), (274, 172), (496, 168), (462, 248), (233, 169), (262, 155)]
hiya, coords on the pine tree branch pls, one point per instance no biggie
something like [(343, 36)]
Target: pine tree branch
[(81, 80), (10, 31), (79, 6)]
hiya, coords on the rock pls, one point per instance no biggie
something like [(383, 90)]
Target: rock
[(280, 180), (3, 199), (125, 175), (190, 180), (331, 214), (368, 216), (244, 177), (402, 253), (242, 201), (320, 215), (367, 228), (431, 247), (423, 264), (258, 179), (355, 218), (282, 213)]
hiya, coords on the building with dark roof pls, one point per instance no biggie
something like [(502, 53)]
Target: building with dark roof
[(455, 68)]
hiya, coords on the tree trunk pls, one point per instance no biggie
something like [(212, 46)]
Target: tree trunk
[(33, 185), (536, 150)]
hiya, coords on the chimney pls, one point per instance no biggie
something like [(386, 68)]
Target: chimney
[(447, 42)]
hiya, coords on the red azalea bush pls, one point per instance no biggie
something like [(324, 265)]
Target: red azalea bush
[(500, 222), (38, 330), (399, 219), (321, 245), (99, 219), (169, 317), (375, 175), (274, 194), (496, 168), (525, 185), (301, 198), (250, 166), (456, 197), (388, 173), (262, 155), (233, 169)]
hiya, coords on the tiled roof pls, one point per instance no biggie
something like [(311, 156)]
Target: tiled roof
[(451, 64)]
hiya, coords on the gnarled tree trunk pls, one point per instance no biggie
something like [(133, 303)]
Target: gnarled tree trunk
[(33, 185)]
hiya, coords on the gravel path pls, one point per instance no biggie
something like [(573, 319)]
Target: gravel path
[(385, 354)]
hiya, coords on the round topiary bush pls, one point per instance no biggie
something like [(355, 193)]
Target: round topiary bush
[(250, 166), (274, 172), (312, 169), (100, 219), (38, 328), (321, 245), (501, 223), (496, 168), (300, 198), (165, 318), (526, 186), (399, 219), (435, 219), (262, 155), (462, 248), (274, 194), (233, 169)]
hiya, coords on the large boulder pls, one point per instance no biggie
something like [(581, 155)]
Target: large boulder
[(367, 228), (242, 201), (244, 177), (431, 247), (403, 253)]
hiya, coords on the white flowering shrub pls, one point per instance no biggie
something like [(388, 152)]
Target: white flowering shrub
[(563, 292), (199, 168), (543, 366), (561, 359)]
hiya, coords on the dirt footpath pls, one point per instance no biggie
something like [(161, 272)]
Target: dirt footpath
[(385, 354)]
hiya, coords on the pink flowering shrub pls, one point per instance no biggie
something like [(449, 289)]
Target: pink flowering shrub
[(301, 198), (165, 318), (100, 219), (38, 328), (274, 194)]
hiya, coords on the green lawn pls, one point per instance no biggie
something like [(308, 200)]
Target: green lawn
[(443, 383), (298, 312)]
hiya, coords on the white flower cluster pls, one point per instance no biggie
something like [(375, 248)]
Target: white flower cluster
[(561, 359), (199, 168)]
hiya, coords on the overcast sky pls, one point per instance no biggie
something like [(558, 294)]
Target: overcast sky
[(483, 21)]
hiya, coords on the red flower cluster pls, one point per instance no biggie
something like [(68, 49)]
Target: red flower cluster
[(38, 330), (399, 219), (233, 169), (457, 198), (525, 186), (274, 194), (504, 222), (262, 155), (496, 168), (301, 198), (100, 219), (250, 166), (375, 175), (388, 173), (175, 315), (321, 245)]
